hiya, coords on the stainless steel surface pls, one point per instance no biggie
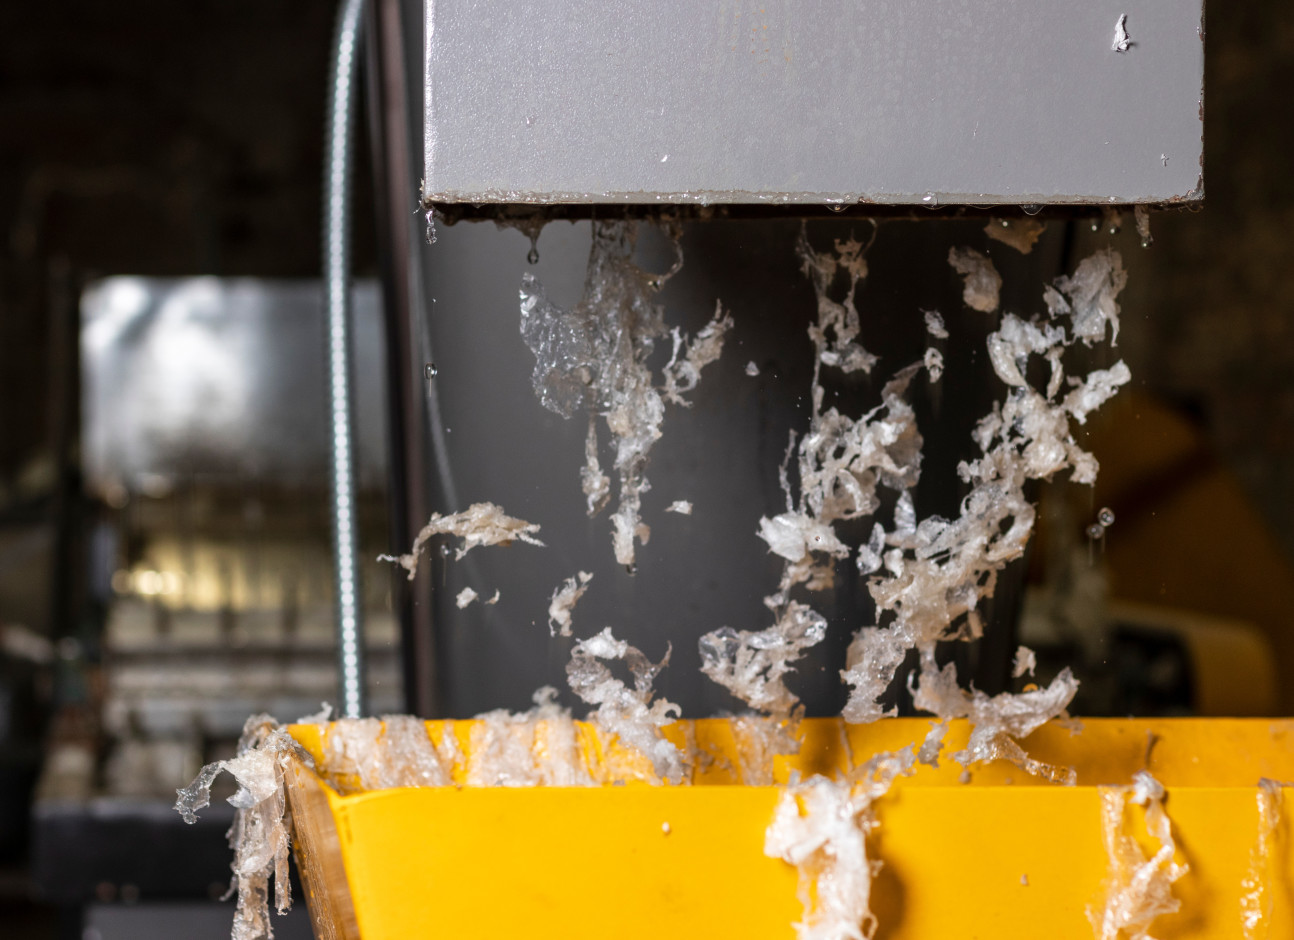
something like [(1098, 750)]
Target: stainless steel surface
[(778, 101), (338, 154), (219, 377)]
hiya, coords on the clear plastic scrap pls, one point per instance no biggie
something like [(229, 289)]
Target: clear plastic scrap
[(998, 721), (479, 524), (1020, 234), (935, 324), (1258, 887), (594, 358), (752, 665), (930, 575), (380, 754), (563, 602), (821, 826), (837, 328), (627, 713), (535, 748), (1026, 662), (1138, 888), (983, 285), (261, 834)]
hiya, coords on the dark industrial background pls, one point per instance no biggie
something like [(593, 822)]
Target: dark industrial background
[(155, 138)]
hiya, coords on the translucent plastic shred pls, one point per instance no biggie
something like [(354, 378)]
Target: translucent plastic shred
[(935, 324), (1020, 234), (563, 602), (593, 358), (1026, 662), (1138, 887), (821, 826), (502, 752), (930, 574), (1258, 889), (261, 834), (380, 754), (628, 714), (982, 283), (479, 524)]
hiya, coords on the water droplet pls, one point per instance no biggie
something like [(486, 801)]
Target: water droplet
[(444, 551), (532, 256), (930, 200), (632, 569), (1031, 208), (1105, 516), (430, 371), (1095, 531), (835, 207)]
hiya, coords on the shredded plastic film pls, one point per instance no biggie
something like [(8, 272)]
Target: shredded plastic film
[(1139, 887), (821, 826), (627, 713), (594, 358), (1020, 234), (982, 282), (931, 575), (1256, 895), (479, 524), (563, 602), (380, 754), (534, 748), (261, 834)]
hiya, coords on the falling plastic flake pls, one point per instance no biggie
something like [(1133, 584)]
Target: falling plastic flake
[(465, 597), (935, 324), (680, 506), (563, 602), (1025, 662), (937, 571), (983, 283), (594, 358), (752, 665), (479, 524), (838, 324), (1020, 234)]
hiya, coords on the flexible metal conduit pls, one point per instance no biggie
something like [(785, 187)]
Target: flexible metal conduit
[(338, 154)]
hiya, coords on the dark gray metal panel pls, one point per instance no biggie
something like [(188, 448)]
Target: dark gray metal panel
[(788, 101), (495, 441)]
